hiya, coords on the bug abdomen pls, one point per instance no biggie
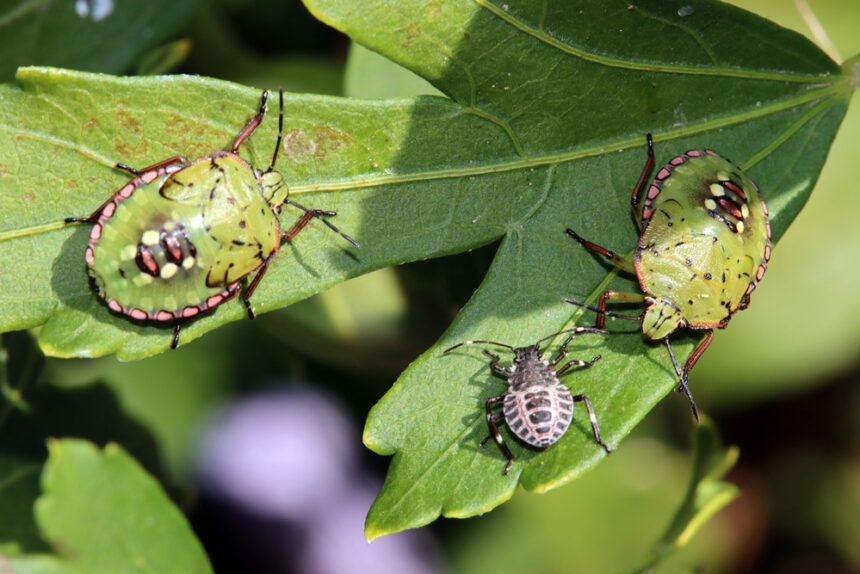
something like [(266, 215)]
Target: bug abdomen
[(540, 414), (151, 256)]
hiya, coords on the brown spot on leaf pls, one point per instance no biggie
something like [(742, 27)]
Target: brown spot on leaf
[(125, 120), (92, 124), (433, 10), (298, 146), (413, 32), (329, 138)]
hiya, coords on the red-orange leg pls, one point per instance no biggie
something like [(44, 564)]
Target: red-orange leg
[(620, 296), (688, 366), (613, 257), (319, 214), (252, 286), (642, 183), (252, 125)]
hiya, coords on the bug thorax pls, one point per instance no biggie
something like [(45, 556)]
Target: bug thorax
[(530, 370), (274, 188), (661, 318)]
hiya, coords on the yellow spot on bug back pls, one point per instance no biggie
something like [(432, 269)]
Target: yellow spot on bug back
[(169, 270), (717, 190), (149, 237), (142, 280), (169, 225), (740, 226), (745, 210), (188, 262), (723, 176), (128, 252), (710, 204)]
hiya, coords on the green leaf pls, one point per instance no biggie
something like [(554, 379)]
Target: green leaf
[(706, 493), (573, 88), (544, 129), (131, 525), (85, 34)]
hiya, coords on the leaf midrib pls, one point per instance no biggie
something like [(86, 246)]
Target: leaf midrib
[(511, 165)]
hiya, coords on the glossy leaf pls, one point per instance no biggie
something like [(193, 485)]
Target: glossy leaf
[(544, 129), (131, 525), (571, 85)]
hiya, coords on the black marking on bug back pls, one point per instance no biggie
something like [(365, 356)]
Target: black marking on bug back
[(727, 203), (163, 251), (146, 260)]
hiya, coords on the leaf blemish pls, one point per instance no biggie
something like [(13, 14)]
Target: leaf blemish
[(298, 146), (413, 32), (329, 138), (125, 120)]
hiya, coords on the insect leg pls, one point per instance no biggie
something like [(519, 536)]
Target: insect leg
[(682, 375), (280, 130), (643, 179), (252, 125), (94, 216), (318, 213), (176, 328), (602, 313), (495, 366), (494, 431), (613, 257), (496, 417), (577, 363), (252, 286), (595, 428)]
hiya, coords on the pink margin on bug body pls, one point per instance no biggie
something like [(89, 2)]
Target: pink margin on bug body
[(134, 312), (185, 313)]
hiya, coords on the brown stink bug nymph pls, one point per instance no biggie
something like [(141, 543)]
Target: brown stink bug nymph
[(537, 407)]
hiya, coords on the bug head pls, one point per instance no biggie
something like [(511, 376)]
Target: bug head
[(661, 318), (529, 353), (275, 189)]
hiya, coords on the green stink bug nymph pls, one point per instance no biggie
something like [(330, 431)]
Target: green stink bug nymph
[(703, 248), (179, 238)]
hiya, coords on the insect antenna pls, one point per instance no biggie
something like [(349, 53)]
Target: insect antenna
[(604, 312), (479, 342), (575, 331), (280, 130), (318, 213)]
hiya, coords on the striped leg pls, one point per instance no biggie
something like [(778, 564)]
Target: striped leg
[(496, 367), (595, 429), (577, 363), (494, 431), (613, 257)]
